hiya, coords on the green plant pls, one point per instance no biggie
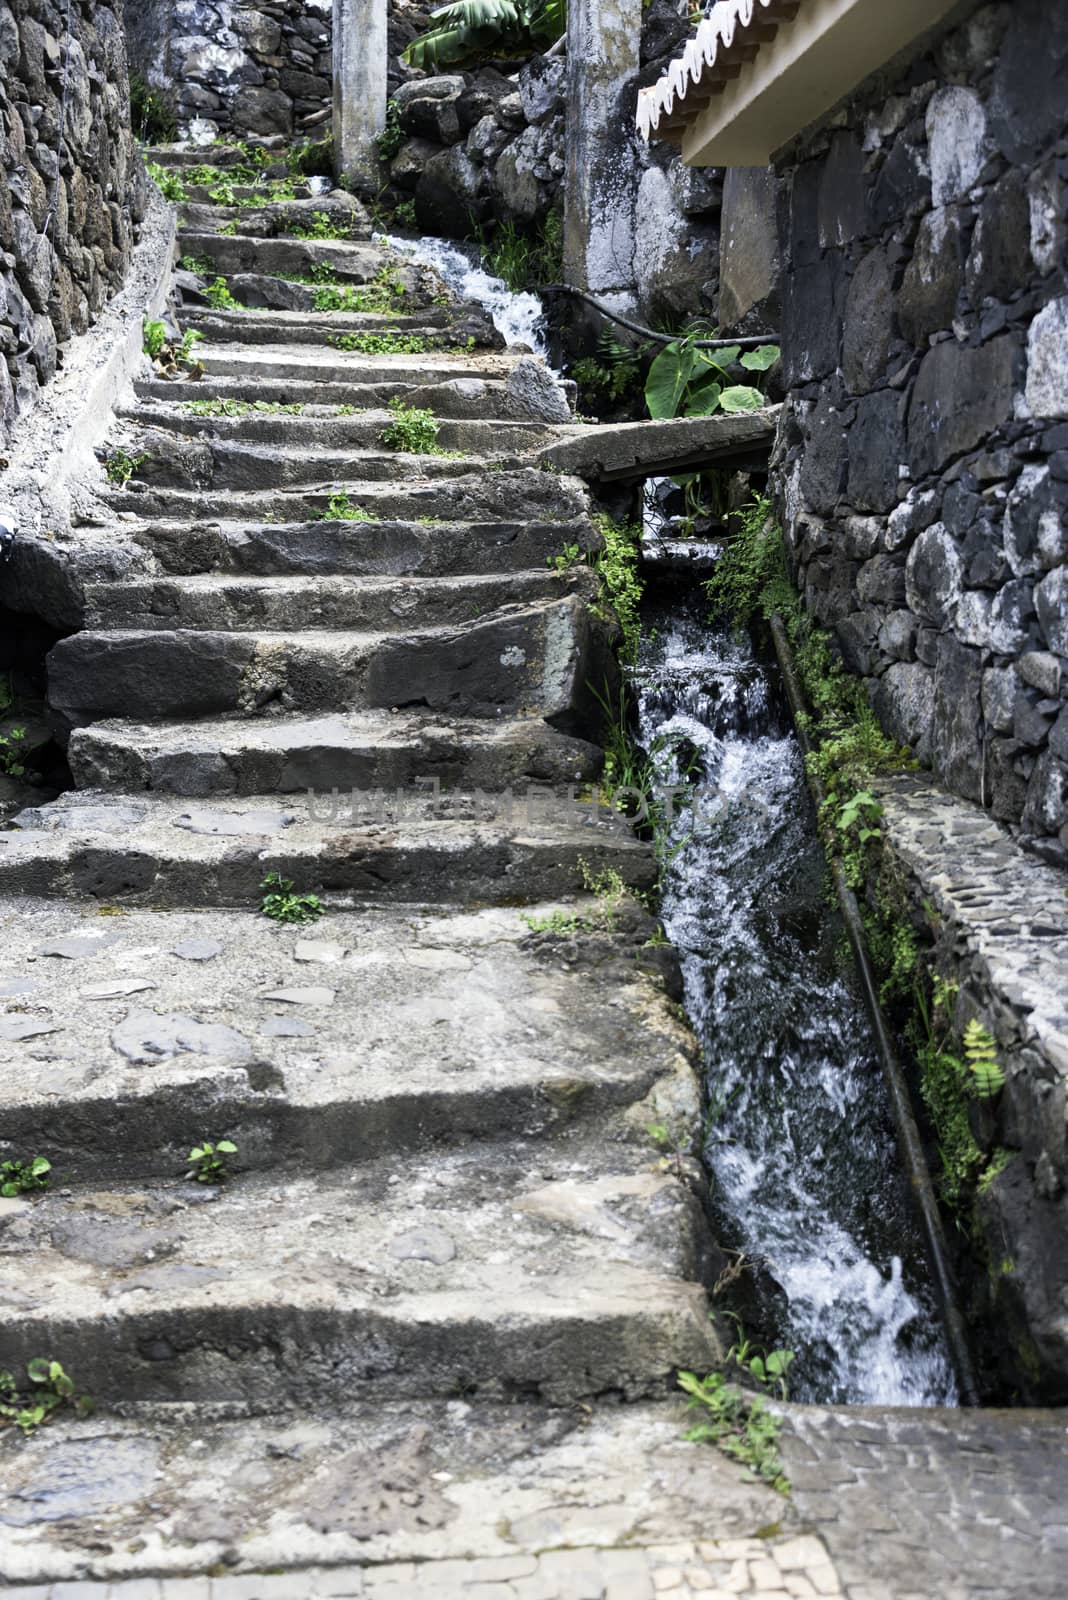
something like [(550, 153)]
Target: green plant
[(742, 1427), (404, 214), (391, 343), (323, 226), (50, 1389), (12, 753), (218, 296), (339, 508), (312, 158), (686, 381), (23, 1177), (154, 338), (206, 1164), (380, 295), (468, 31), (617, 567), (393, 135), (201, 265), (153, 112), (242, 408), (120, 466), (169, 184), (568, 557), (525, 259), (413, 429), (980, 1052), (561, 922), (769, 1368), (283, 904)]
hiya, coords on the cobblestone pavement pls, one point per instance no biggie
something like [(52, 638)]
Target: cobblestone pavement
[(764, 1569), (914, 1504)]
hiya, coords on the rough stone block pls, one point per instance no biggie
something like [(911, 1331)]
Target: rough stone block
[(961, 396)]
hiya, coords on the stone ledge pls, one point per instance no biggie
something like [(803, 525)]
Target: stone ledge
[(648, 449)]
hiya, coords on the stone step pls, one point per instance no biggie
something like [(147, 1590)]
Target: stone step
[(352, 261), (457, 496), (541, 657), (290, 754), (430, 547), (384, 467), (209, 155), (174, 459), (154, 1029), (232, 604), (471, 396), (271, 363), (251, 325), (403, 1278), (422, 288), (155, 850), (431, 1486), (338, 211)]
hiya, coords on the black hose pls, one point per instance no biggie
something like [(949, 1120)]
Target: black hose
[(908, 1134), (650, 333)]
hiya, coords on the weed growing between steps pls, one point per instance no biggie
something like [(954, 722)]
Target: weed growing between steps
[(339, 508), (120, 466), (382, 294), (206, 1163), (48, 1390), (24, 1177), (283, 902), (12, 753), (740, 1425), (243, 408), (323, 226), (170, 359), (219, 298)]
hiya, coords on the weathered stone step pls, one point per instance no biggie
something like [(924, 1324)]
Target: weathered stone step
[(154, 850), (435, 329), (233, 604), (171, 458), (541, 657), (387, 468), (422, 288), (210, 155), (456, 496), (274, 218), (378, 1484), (271, 363), (432, 547), (352, 261), (399, 1279), (471, 396), (176, 1038), (358, 750)]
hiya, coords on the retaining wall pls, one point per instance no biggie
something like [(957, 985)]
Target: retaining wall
[(922, 468), (72, 198)]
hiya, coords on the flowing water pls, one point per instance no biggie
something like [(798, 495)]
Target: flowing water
[(799, 1142), (519, 318)]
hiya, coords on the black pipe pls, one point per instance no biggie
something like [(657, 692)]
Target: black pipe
[(908, 1133), (650, 333)]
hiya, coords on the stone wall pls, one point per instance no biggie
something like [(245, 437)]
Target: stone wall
[(70, 200), (238, 68), (923, 464)]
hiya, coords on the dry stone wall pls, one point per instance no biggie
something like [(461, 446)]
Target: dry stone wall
[(74, 189), (236, 68), (923, 463)]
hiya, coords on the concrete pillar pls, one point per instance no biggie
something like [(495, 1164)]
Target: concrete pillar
[(603, 43), (359, 56)]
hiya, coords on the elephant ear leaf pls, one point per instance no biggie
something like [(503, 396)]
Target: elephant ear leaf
[(739, 397), (761, 359), (666, 382), (702, 397)]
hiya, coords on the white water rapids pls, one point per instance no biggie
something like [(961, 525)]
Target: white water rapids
[(800, 1146), (519, 318)]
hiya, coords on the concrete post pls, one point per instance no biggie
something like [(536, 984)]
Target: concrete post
[(359, 58), (603, 43)]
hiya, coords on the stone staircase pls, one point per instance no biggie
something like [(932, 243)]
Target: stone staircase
[(446, 1193)]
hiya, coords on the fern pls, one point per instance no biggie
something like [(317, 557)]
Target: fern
[(980, 1052)]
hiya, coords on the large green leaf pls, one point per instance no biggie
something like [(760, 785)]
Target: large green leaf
[(667, 379), (702, 397), (739, 397), (761, 359), (721, 359)]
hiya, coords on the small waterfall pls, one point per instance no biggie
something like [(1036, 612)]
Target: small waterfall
[(518, 318), (799, 1141)]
